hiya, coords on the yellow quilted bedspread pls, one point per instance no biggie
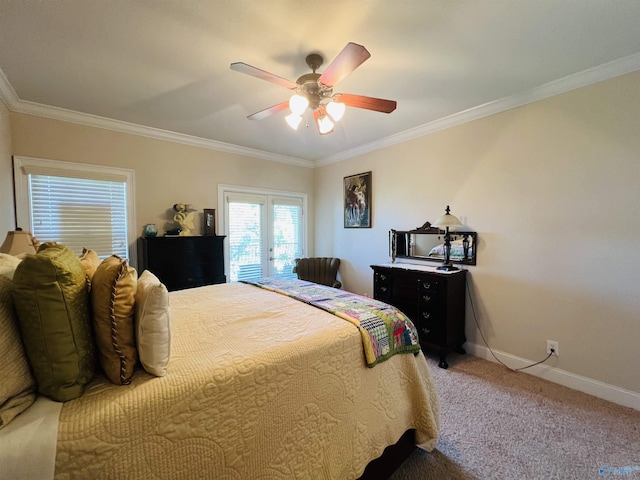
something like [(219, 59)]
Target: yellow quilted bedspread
[(259, 386)]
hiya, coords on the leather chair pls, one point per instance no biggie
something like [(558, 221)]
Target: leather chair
[(323, 270)]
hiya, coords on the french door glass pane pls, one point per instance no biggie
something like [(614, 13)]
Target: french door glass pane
[(287, 240), (245, 237)]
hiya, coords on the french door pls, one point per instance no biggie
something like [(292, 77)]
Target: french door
[(265, 232)]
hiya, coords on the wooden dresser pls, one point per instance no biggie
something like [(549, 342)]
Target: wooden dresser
[(432, 299), (184, 262)]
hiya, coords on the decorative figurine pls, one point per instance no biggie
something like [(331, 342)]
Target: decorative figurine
[(184, 217)]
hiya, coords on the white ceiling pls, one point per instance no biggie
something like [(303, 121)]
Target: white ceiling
[(165, 64)]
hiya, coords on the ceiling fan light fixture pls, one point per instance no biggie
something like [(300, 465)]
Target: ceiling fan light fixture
[(298, 104), (325, 125), (293, 120), (335, 110)]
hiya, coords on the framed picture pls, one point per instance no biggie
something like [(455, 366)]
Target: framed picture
[(209, 221), (357, 201)]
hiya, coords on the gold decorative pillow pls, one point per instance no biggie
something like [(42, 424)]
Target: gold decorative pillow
[(113, 292), (153, 324), (90, 262), (17, 388)]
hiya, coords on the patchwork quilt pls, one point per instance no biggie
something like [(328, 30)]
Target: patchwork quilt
[(385, 331)]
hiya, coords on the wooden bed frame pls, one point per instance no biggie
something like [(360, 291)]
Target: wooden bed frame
[(393, 456)]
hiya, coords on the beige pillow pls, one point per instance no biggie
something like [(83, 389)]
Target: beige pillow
[(153, 324), (17, 388), (113, 292), (90, 262)]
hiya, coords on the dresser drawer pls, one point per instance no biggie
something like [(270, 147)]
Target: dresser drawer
[(184, 262), (430, 332), (382, 286)]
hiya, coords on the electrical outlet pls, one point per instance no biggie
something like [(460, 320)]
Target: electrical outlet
[(552, 344)]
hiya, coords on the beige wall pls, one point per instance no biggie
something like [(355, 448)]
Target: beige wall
[(553, 190), (7, 219), (165, 172)]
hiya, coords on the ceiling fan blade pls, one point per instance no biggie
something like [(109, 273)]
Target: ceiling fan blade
[(350, 58), (267, 112), (269, 77), (369, 103)]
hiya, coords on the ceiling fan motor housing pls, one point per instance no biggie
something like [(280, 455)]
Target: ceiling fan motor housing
[(314, 91)]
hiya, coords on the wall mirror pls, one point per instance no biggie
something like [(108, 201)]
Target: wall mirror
[(427, 243)]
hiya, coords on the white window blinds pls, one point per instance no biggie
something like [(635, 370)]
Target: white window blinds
[(77, 204), (246, 238), (287, 236), (80, 212)]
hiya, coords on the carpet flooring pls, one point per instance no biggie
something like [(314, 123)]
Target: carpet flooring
[(499, 424)]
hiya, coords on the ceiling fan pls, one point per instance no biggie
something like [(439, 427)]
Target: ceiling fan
[(315, 91)]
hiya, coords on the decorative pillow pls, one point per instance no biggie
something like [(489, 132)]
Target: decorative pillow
[(17, 389), (113, 292), (90, 262), (153, 324), (52, 301)]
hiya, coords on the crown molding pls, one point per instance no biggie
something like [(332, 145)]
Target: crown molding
[(13, 103), (593, 75), (7, 93)]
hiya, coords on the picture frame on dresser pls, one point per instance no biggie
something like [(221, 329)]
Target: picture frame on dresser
[(357, 200), (209, 221)]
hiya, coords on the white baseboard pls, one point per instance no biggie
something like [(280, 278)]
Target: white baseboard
[(621, 396)]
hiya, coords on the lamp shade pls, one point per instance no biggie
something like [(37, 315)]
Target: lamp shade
[(447, 220), (335, 110), (293, 120), (325, 125), (298, 104), (18, 242)]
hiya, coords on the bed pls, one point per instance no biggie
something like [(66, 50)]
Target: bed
[(457, 251), (259, 385)]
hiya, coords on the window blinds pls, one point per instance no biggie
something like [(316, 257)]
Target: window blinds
[(80, 212)]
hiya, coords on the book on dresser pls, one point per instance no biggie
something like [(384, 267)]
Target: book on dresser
[(434, 301), (184, 261)]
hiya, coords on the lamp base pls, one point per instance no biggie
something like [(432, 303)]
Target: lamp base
[(447, 268)]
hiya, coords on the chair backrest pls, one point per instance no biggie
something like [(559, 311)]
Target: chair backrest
[(322, 270)]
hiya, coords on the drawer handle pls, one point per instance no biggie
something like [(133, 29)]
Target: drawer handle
[(383, 289), (426, 285), (383, 277), (426, 314), (426, 298), (426, 331)]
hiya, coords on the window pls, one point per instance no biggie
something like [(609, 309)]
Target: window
[(77, 205), (265, 232)]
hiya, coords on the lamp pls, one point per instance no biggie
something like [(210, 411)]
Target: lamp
[(445, 222), (19, 242)]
